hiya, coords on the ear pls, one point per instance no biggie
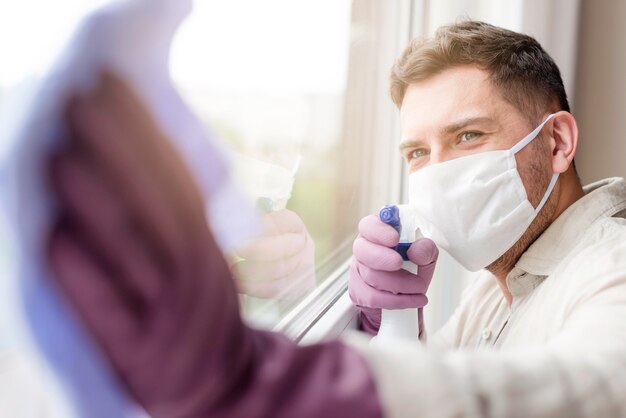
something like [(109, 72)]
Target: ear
[(563, 141)]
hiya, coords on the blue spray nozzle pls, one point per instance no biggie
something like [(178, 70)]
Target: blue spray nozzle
[(391, 216)]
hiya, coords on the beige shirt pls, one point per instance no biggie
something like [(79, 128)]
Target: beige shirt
[(558, 351)]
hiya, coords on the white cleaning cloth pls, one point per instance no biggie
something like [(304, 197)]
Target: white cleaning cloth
[(132, 38)]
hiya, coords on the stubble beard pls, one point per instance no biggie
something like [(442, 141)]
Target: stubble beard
[(536, 175)]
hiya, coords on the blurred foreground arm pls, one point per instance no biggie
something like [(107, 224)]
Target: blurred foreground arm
[(132, 252)]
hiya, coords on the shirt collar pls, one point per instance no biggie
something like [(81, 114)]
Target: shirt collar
[(602, 199)]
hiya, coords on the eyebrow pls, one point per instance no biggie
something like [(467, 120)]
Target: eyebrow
[(460, 124), (449, 129)]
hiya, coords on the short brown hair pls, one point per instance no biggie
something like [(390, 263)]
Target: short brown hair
[(518, 66)]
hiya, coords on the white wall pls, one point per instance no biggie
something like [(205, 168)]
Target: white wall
[(600, 104)]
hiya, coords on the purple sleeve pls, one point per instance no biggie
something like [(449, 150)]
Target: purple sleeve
[(253, 373), (367, 325), (284, 380)]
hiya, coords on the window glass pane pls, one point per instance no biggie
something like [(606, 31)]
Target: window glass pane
[(292, 90), (270, 79)]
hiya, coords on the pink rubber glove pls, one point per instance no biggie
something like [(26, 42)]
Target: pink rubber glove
[(377, 280)]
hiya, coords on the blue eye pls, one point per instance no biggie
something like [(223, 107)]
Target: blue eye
[(469, 136)]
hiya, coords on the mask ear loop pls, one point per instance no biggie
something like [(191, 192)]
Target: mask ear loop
[(525, 141), (548, 192), (528, 138)]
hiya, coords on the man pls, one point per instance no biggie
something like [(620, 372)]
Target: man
[(555, 278), (162, 306), (469, 90)]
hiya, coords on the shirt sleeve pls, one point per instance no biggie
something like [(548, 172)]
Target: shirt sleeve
[(581, 372), (414, 382)]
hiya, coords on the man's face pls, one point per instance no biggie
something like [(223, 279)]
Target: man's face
[(458, 113), (454, 114)]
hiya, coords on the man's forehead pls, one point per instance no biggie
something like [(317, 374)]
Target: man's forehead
[(454, 95), (452, 90)]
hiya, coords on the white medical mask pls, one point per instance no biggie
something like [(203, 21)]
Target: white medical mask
[(475, 207)]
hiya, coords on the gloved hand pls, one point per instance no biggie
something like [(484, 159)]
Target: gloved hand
[(132, 252), (280, 263), (377, 280)]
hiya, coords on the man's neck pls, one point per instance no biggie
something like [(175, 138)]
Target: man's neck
[(570, 191), (505, 289)]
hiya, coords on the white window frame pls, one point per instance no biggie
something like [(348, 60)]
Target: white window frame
[(328, 311)]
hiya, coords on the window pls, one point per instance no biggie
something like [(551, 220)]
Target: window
[(298, 94), (297, 91)]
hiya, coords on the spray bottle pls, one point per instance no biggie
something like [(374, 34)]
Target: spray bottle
[(400, 323)]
